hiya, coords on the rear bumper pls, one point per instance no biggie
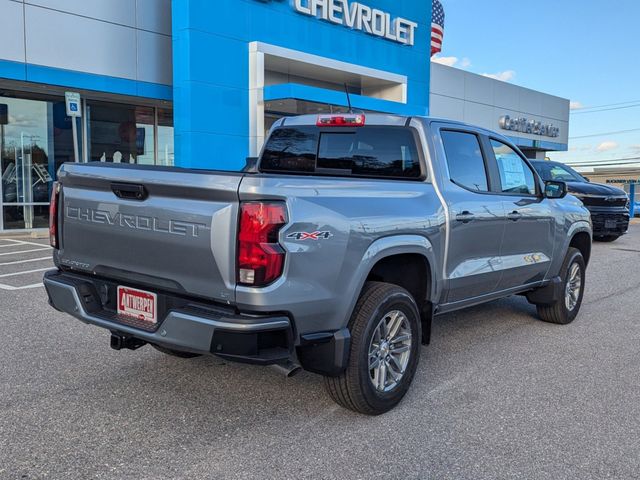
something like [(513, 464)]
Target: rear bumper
[(244, 338)]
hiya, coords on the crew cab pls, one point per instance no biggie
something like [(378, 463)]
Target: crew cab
[(333, 252)]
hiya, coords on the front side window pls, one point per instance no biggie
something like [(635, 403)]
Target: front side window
[(465, 160), (515, 175)]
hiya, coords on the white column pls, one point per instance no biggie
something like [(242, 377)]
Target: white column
[(256, 99)]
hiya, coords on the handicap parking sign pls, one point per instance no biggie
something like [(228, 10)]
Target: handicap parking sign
[(72, 100)]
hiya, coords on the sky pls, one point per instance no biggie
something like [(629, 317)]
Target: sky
[(585, 50)]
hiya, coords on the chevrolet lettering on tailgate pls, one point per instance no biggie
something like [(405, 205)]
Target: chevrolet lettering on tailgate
[(136, 222)]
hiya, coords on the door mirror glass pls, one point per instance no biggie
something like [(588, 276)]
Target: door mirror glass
[(553, 189)]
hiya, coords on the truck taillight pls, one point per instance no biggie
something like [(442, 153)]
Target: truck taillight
[(260, 256), (53, 215)]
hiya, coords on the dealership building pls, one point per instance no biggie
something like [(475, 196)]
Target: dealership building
[(198, 83)]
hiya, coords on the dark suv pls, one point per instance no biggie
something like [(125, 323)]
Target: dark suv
[(609, 206)]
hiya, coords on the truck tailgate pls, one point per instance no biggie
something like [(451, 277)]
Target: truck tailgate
[(163, 228)]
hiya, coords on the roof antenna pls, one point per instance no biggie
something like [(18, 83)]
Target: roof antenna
[(346, 90)]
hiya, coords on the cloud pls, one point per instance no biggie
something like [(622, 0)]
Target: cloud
[(452, 61), (505, 76), (607, 146), (575, 105), (581, 148), (448, 61)]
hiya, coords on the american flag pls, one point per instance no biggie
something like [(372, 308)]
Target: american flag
[(437, 27)]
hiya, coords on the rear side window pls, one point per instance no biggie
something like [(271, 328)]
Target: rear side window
[(466, 163), (386, 152)]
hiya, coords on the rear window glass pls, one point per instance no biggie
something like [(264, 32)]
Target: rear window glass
[(291, 150), (389, 152)]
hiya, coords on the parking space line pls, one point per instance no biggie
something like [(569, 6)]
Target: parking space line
[(17, 262), (25, 251), (25, 287), (5, 275), (24, 242), (11, 245)]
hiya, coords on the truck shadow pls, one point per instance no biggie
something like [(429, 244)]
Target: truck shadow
[(212, 390)]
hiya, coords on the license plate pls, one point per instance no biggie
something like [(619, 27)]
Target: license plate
[(610, 224), (138, 304)]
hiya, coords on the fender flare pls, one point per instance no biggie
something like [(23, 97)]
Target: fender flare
[(387, 247), (578, 227), (581, 226)]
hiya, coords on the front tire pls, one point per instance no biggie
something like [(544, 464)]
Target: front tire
[(384, 353), (564, 310)]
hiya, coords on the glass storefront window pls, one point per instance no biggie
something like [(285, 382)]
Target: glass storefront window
[(121, 133), (35, 139), (165, 138)]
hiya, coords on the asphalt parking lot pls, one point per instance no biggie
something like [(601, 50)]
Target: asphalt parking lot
[(497, 395)]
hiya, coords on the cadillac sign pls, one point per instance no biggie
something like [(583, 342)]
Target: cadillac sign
[(533, 127)]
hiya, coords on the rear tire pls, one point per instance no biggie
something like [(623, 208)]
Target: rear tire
[(566, 308), (175, 353), (607, 238), (384, 352)]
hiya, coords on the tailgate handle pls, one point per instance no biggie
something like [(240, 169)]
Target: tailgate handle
[(129, 191)]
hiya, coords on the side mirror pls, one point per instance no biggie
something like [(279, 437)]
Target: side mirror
[(553, 189)]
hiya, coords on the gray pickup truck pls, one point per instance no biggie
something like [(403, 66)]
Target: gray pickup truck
[(332, 252)]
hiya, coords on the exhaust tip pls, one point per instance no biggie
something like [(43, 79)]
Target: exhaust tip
[(288, 369)]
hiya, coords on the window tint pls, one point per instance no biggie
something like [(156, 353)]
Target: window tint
[(466, 164), (515, 174), (291, 150), (367, 151), (372, 151)]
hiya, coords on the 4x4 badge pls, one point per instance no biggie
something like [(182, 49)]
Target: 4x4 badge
[(310, 236)]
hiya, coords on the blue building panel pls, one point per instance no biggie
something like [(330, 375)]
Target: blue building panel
[(211, 67)]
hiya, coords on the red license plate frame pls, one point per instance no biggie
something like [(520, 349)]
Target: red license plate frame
[(138, 304)]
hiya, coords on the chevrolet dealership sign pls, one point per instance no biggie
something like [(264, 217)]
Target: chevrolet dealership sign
[(358, 16)]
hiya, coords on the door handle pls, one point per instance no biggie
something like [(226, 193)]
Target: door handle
[(465, 217), (514, 216)]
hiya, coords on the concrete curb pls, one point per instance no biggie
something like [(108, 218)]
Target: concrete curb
[(38, 234)]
